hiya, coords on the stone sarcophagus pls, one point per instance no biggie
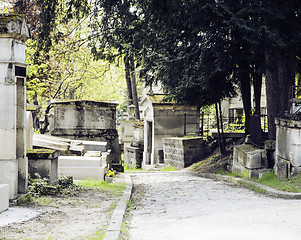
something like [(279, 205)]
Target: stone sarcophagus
[(87, 120)]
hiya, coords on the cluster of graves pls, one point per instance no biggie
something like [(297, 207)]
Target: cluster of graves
[(82, 138), (81, 141)]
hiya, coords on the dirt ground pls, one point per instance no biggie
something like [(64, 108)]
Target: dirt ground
[(76, 217)]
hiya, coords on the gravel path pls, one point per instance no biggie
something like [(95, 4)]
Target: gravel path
[(176, 205)]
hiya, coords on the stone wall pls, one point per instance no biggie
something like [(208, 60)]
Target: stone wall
[(182, 152)]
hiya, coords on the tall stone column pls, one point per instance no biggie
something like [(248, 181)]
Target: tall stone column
[(13, 162)]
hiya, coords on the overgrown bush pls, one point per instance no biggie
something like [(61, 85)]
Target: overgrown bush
[(38, 186)]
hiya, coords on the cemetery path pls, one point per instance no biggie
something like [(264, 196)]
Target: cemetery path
[(177, 205), (78, 217)]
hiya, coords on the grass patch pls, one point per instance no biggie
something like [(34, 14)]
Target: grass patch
[(43, 201), (98, 235), (252, 187), (92, 183), (125, 230), (271, 180), (227, 173), (198, 165), (132, 169), (168, 168)]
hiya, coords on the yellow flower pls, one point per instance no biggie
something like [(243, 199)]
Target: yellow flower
[(110, 174)]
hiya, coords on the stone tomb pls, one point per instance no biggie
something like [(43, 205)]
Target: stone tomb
[(88, 120), (165, 120), (183, 152), (44, 162), (248, 159), (288, 148), (13, 161)]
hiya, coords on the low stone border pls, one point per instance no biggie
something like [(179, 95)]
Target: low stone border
[(250, 185), (113, 230)]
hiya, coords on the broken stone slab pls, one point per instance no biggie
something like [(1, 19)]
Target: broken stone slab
[(4, 197), (51, 138), (92, 145), (41, 141), (78, 149), (250, 156), (93, 154)]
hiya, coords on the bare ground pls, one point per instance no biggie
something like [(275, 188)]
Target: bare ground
[(77, 217)]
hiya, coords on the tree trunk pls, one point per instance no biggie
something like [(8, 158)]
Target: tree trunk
[(245, 88), (280, 75), (134, 87), (128, 80), (220, 143), (222, 127), (257, 83)]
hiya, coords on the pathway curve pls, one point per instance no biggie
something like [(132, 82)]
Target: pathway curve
[(176, 205)]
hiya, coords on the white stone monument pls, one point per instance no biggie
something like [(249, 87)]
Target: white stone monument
[(13, 161)]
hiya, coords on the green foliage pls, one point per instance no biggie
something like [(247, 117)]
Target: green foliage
[(38, 186), (233, 127), (246, 174)]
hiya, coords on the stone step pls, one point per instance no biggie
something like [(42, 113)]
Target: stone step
[(78, 161), (4, 197), (80, 173)]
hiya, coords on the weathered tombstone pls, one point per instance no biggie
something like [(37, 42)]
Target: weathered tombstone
[(88, 120), (133, 154), (13, 161)]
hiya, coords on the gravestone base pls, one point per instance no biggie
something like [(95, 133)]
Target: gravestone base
[(4, 197), (82, 167), (9, 175), (80, 173)]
